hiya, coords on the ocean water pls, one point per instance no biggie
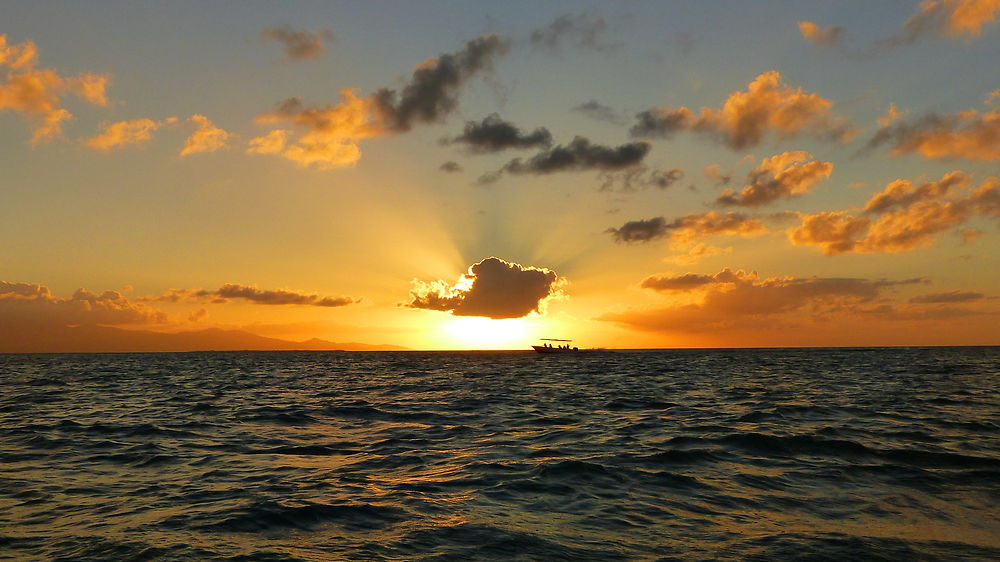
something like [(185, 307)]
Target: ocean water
[(815, 454)]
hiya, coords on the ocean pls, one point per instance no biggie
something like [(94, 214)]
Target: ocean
[(777, 454)]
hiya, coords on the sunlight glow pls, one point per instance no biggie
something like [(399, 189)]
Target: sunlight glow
[(477, 332)]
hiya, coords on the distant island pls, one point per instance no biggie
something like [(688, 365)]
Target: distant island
[(103, 339)]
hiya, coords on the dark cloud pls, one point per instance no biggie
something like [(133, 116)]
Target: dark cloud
[(276, 297), (597, 110), (493, 134), (251, 294), (949, 297), (450, 167), (579, 30), (432, 92), (640, 177), (493, 288), (661, 123), (689, 228), (689, 281), (643, 230), (299, 45), (789, 174), (578, 155)]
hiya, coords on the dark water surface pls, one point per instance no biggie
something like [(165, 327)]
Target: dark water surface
[(868, 454)]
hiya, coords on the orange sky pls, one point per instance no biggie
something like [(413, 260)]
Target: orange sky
[(666, 175)]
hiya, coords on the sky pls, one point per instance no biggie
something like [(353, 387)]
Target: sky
[(479, 175)]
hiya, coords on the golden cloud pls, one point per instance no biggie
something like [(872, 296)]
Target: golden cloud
[(272, 143), (745, 118), (952, 17), (208, 137), (788, 174), (891, 115), (123, 133), (824, 36), (34, 303), (969, 134), (37, 93), (740, 299), (332, 132), (901, 217)]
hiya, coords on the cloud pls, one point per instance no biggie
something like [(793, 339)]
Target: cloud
[(768, 106), (715, 173), (35, 304), (692, 281), (299, 45), (687, 229), (970, 135), (740, 299), (332, 132), (271, 143), (37, 93), (250, 294), (823, 36), (901, 193), (952, 18), (639, 177), (600, 112), (432, 91), (493, 287), (788, 174), (949, 297), (122, 133), (698, 252), (580, 155), (493, 134), (450, 167), (892, 114), (275, 297), (208, 137), (901, 217), (580, 30)]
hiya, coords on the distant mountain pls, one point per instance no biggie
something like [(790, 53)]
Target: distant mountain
[(102, 339)]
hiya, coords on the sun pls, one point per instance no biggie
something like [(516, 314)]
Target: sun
[(477, 332)]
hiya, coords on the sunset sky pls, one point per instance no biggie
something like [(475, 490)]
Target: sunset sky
[(478, 175)]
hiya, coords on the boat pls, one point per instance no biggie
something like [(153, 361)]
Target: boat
[(557, 348)]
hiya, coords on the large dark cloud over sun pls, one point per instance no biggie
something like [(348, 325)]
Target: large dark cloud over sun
[(493, 287)]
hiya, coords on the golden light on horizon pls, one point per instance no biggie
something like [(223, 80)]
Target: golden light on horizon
[(478, 332)]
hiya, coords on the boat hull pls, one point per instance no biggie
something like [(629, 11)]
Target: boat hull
[(544, 349)]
